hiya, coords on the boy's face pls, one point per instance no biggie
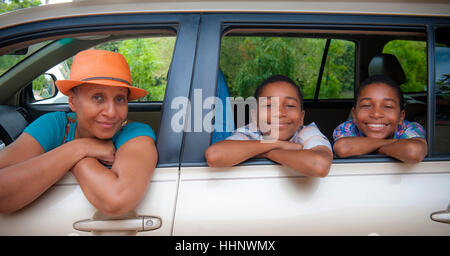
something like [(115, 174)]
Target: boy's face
[(279, 111), (377, 113)]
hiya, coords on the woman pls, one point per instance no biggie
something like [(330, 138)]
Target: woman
[(86, 141)]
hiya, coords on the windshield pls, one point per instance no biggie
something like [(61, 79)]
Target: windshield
[(9, 60)]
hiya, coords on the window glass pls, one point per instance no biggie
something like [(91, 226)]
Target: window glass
[(149, 60), (442, 129), (412, 56), (338, 79), (247, 61), (7, 61)]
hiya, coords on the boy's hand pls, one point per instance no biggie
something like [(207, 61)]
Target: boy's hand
[(281, 144), (287, 145)]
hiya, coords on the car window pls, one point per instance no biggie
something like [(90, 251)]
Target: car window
[(149, 60), (412, 56), (9, 60), (323, 68), (324, 65), (247, 60), (442, 129), (338, 76)]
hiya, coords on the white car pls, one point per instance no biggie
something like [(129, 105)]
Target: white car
[(337, 41)]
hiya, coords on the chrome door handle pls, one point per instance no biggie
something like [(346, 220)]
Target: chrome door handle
[(442, 216), (138, 224)]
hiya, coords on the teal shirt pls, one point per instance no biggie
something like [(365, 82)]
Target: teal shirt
[(49, 130)]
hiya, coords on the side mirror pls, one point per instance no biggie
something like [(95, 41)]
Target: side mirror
[(44, 86)]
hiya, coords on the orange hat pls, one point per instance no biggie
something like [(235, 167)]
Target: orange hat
[(100, 67)]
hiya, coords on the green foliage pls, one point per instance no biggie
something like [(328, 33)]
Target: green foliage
[(247, 61), (339, 74), (149, 60), (7, 61), (412, 56), (43, 87), (39, 83), (6, 6), (262, 57)]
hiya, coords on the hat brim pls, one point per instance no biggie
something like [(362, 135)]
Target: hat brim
[(64, 86)]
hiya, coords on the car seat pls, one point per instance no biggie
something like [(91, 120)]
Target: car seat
[(13, 121), (227, 122), (388, 65)]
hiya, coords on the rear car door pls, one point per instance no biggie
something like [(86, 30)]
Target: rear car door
[(364, 195)]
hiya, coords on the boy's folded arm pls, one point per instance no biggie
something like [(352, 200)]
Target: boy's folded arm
[(411, 150), (227, 153), (314, 162), (353, 146)]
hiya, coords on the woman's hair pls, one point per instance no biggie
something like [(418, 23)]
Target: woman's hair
[(279, 78), (381, 79)]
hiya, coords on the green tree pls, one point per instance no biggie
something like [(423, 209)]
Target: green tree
[(412, 56), (7, 61), (338, 78), (149, 60), (11, 5), (247, 61)]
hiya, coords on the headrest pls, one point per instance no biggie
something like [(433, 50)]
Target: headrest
[(388, 65)]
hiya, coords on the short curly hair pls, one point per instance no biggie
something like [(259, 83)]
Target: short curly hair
[(381, 79), (279, 78)]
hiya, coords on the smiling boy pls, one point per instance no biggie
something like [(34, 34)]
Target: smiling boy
[(378, 125), (277, 133)]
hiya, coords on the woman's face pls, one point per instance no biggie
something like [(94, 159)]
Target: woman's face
[(100, 110), (279, 119), (377, 113)]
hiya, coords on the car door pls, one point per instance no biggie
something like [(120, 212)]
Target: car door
[(367, 195), (63, 209)]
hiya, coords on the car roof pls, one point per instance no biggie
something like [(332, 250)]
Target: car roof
[(89, 7)]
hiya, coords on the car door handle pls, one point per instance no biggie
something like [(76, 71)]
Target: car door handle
[(138, 224), (442, 216)]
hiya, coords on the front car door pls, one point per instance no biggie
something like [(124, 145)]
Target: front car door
[(63, 209)]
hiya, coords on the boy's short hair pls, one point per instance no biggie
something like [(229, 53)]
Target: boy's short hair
[(279, 78), (381, 79)]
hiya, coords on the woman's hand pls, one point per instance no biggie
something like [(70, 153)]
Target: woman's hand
[(119, 189), (102, 150)]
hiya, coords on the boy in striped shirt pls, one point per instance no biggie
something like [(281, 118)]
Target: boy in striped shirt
[(277, 133)]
